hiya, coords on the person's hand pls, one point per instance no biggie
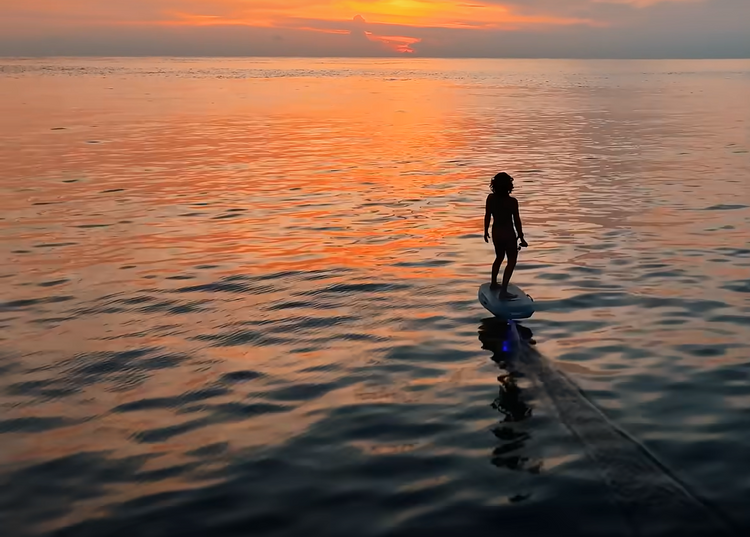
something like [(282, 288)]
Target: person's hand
[(524, 244), (486, 237)]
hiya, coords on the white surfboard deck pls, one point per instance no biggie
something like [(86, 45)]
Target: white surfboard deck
[(521, 307)]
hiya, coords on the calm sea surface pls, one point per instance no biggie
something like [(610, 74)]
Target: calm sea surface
[(239, 297)]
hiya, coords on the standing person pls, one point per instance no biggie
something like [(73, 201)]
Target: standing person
[(503, 210)]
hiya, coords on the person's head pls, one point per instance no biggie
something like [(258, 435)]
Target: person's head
[(502, 184)]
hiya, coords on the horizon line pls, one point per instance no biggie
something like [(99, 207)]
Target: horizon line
[(369, 57)]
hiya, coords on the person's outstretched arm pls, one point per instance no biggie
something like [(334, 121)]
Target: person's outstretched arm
[(519, 224), (487, 216)]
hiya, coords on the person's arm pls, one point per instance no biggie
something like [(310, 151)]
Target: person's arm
[(487, 216), (519, 224)]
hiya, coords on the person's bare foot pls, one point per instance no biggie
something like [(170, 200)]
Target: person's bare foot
[(505, 295)]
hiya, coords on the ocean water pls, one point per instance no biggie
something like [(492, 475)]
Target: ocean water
[(239, 298)]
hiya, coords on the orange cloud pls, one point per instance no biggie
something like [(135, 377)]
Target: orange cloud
[(444, 13), (310, 14), (276, 13), (400, 44), (418, 13), (383, 25)]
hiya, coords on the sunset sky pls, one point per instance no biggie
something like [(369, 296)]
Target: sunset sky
[(444, 28)]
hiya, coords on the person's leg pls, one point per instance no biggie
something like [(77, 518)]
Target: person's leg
[(512, 253), (499, 255)]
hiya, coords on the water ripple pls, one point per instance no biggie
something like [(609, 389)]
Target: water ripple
[(242, 312)]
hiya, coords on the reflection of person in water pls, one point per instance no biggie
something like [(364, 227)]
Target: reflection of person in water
[(509, 400), (494, 335), (502, 209)]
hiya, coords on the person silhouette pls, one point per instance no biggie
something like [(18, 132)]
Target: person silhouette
[(502, 209)]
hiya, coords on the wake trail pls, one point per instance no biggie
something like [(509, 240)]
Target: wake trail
[(653, 500)]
